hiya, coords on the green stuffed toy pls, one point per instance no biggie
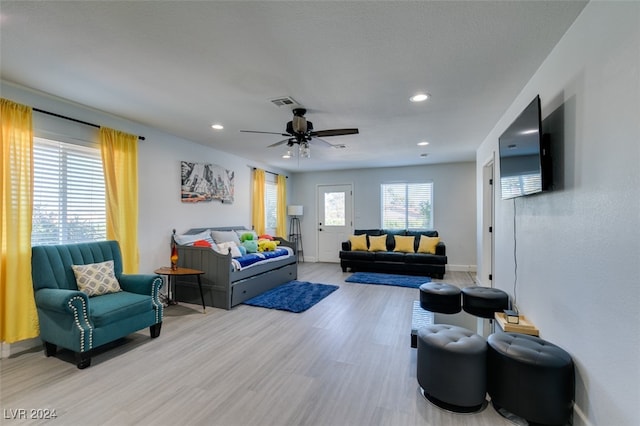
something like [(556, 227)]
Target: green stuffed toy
[(250, 245), (247, 236)]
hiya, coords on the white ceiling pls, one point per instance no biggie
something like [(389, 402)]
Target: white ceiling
[(180, 66)]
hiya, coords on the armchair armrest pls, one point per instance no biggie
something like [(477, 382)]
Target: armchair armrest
[(66, 309), (59, 300), (147, 284)]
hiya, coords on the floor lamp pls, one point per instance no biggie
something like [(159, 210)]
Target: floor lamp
[(295, 233)]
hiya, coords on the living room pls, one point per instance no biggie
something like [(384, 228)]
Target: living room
[(566, 283)]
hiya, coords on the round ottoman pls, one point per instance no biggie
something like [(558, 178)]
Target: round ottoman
[(484, 301), (440, 297), (531, 378), (451, 367)]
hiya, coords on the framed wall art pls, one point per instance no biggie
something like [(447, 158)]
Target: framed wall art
[(206, 182)]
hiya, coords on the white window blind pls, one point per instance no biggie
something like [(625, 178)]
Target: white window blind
[(69, 193), (407, 205), (270, 204)]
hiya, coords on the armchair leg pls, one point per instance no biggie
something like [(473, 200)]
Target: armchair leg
[(155, 330), (83, 360), (49, 349)]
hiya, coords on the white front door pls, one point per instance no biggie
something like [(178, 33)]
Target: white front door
[(335, 221)]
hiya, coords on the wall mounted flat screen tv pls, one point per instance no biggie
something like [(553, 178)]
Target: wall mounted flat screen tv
[(525, 162)]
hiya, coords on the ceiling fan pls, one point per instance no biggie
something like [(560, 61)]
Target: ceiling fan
[(300, 131)]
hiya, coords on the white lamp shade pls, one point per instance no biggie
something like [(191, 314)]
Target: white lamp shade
[(294, 210)]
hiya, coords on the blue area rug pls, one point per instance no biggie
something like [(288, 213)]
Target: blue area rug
[(294, 296), (412, 281)]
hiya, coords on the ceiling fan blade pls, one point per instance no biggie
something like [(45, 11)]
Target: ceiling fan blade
[(323, 141), (278, 143), (268, 133), (335, 132)]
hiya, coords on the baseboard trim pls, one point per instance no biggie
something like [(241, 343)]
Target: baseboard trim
[(579, 417), (462, 268), (12, 349)]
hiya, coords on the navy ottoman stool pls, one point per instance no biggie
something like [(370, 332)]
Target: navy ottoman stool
[(451, 367), (484, 301), (440, 297), (531, 378)]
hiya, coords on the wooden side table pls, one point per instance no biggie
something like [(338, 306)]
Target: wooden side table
[(171, 278), (523, 326)]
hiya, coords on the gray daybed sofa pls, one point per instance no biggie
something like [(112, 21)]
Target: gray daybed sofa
[(222, 286)]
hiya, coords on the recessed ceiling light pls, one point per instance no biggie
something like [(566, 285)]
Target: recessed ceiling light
[(423, 143), (217, 126), (420, 97)]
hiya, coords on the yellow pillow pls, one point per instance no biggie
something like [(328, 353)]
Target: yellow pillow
[(358, 242), (428, 244), (378, 243), (404, 244)]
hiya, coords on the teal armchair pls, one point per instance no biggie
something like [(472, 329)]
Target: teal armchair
[(73, 320)]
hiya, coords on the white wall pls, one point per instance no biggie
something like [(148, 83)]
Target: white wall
[(578, 247), (454, 203), (159, 157)]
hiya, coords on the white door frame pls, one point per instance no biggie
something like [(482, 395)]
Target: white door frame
[(488, 223), (349, 219)]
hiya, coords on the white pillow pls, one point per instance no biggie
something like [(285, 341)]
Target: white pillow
[(224, 248), (188, 240), (225, 236), (96, 279)]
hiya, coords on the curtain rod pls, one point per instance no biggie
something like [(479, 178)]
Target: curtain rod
[(73, 119), (271, 173)]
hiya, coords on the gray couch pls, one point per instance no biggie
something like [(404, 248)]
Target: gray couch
[(222, 286)]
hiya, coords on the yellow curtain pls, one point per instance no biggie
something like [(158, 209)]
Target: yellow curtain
[(281, 225), (120, 164), (18, 315), (258, 201)]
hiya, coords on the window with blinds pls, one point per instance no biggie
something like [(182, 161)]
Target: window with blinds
[(69, 193), (407, 205), (270, 205)]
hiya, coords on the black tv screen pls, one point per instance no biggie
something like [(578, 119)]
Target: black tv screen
[(524, 156)]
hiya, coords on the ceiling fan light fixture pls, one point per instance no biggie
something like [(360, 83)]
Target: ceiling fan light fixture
[(420, 97), (305, 150)]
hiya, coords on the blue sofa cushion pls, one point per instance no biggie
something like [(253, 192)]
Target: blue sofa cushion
[(110, 308)]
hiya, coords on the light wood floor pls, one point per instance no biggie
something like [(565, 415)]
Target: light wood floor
[(346, 361)]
